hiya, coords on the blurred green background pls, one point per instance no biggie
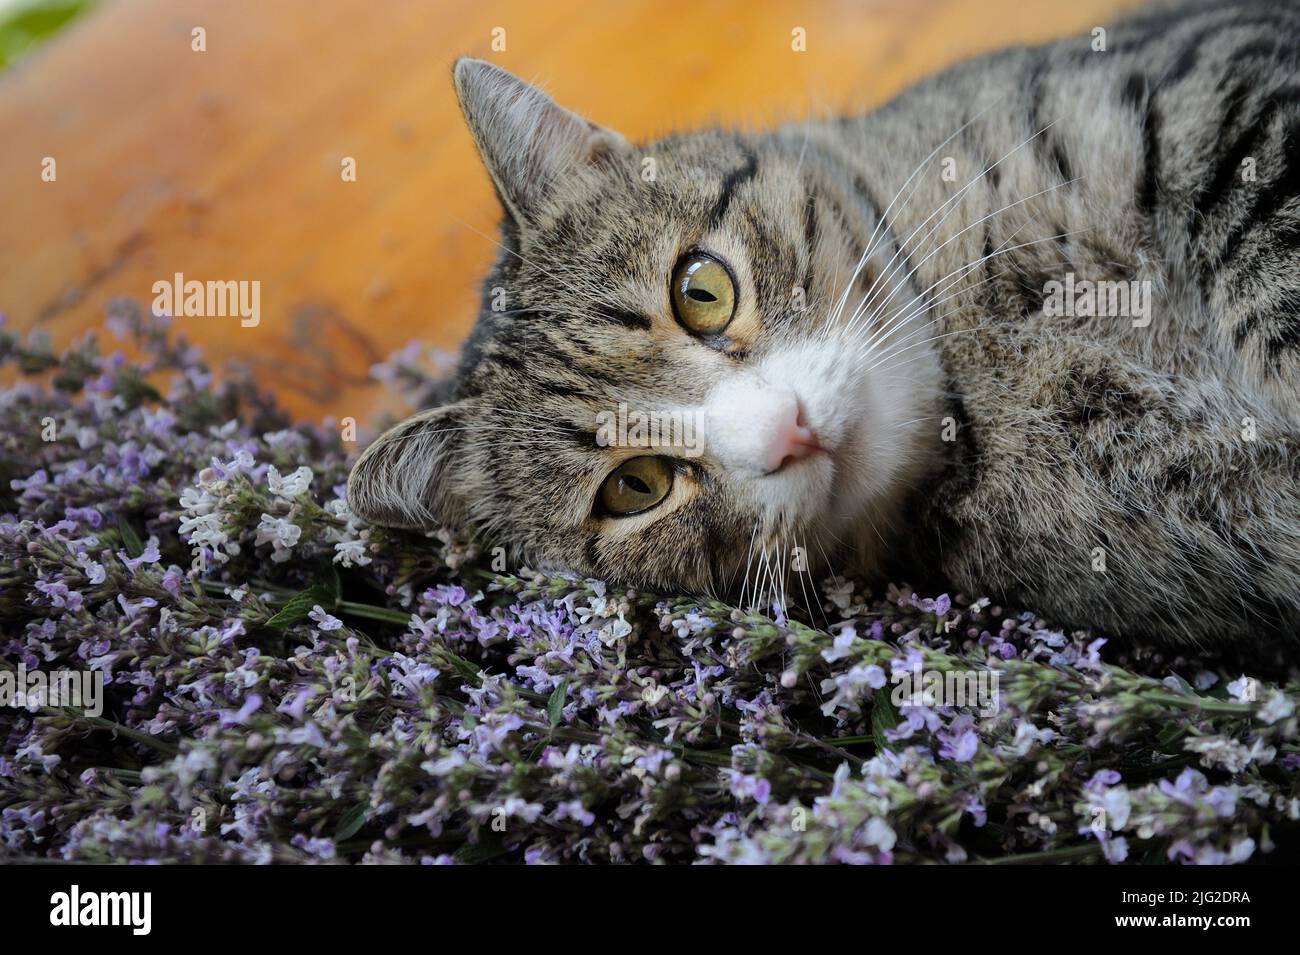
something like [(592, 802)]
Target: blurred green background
[(25, 23)]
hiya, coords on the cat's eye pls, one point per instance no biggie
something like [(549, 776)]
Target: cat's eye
[(636, 485), (704, 296)]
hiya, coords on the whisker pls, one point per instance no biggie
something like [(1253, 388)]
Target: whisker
[(951, 202), (873, 341), (884, 216), (749, 559), (979, 221), (965, 269)]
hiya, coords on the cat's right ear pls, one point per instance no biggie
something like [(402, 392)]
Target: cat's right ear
[(408, 476), (528, 142)]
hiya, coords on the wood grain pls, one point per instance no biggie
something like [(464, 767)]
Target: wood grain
[(225, 164)]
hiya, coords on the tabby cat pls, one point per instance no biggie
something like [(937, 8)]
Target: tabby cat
[(1035, 323)]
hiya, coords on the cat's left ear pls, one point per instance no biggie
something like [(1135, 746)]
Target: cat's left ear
[(410, 476), (528, 142)]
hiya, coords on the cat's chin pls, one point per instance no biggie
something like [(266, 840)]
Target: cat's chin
[(886, 449)]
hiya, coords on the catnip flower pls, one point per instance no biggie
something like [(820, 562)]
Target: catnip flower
[(290, 485), (348, 693), (324, 620), (281, 534)]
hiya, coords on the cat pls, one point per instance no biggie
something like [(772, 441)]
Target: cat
[(887, 329)]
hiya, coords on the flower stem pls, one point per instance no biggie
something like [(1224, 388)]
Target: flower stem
[(99, 723), (371, 612), (1068, 854)]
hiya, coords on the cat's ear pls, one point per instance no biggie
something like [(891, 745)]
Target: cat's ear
[(407, 478), (528, 142)]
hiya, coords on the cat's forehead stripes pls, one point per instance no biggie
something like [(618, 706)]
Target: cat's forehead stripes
[(733, 181)]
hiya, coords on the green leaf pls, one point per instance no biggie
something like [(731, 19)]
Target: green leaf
[(130, 539), (352, 821), (883, 717), (133, 389), (1183, 686), (33, 23), (299, 605), (555, 705), (462, 666), (329, 574), (487, 848), (1171, 734)]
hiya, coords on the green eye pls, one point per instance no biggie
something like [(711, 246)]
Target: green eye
[(704, 297), (636, 485)]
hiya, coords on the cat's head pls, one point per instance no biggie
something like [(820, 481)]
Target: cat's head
[(667, 380)]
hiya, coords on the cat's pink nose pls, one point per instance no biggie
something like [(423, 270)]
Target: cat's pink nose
[(792, 441)]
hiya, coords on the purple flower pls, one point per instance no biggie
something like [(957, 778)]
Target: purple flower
[(240, 717), (150, 555), (960, 741), (1102, 779), (324, 620), (687, 730), (84, 515)]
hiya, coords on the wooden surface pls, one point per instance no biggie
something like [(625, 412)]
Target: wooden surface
[(226, 164)]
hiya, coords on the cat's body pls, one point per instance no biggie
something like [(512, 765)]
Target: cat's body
[(1136, 472)]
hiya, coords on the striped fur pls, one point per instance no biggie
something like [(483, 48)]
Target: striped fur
[(1005, 446)]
